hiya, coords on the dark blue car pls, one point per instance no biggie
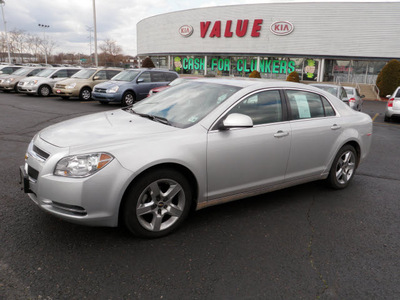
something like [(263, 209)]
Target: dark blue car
[(132, 85)]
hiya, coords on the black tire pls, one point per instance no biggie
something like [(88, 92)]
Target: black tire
[(343, 168), (44, 91), (387, 119), (85, 94), (128, 99), (157, 203), (65, 97)]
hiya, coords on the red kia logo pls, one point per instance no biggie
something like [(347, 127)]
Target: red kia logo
[(186, 30), (281, 27)]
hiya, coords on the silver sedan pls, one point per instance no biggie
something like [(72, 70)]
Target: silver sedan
[(201, 143)]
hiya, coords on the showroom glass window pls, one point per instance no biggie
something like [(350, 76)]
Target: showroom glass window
[(264, 107), (306, 105)]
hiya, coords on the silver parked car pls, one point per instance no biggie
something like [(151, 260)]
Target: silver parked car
[(336, 90), (393, 106), (355, 99), (42, 84), (200, 143)]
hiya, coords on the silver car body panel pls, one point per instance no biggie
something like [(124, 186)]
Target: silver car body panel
[(226, 165)]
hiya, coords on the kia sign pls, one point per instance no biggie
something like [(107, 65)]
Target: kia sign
[(281, 28), (186, 30)]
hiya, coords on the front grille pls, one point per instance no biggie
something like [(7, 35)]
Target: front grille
[(100, 90), (41, 153), (34, 174)]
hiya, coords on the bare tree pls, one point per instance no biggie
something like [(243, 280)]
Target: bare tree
[(111, 52)]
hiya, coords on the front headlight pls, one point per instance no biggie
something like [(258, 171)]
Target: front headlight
[(82, 165), (112, 90), (71, 86), (9, 80), (33, 82)]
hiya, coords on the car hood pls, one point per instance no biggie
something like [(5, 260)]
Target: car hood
[(117, 126), (33, 78)]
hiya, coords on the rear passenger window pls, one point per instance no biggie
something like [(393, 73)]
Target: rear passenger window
[(111, 73), (71, 72), (306, 105), (158, 77), (171, 76), (60, 74)]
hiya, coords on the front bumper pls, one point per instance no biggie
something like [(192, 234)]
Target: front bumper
[(27, 89), (7, 86), (65, 92), (104, 97), (92, 200)]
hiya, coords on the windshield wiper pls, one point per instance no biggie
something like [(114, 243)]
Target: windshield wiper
[(153, 117)]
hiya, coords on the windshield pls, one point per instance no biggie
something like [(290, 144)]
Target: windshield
[(185, 104), (84, 74), (45, 72), (22, 72), (127, 75)]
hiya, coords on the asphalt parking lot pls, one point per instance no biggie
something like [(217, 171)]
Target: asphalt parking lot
[(306, 242)]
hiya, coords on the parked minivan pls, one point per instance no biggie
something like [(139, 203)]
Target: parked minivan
[(131, 85), (42, 84), (81, 83)]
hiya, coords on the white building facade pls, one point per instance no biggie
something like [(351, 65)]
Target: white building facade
[(322, 41)]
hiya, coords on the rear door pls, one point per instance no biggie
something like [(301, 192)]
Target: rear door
[(315, 131)]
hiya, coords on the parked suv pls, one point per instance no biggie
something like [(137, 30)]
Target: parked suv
[(9, 82), (130, 86), (42, 84), (81, 84)]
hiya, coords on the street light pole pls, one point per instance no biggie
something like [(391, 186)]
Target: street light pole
[(2, 3), (95, 34), (44, 40)]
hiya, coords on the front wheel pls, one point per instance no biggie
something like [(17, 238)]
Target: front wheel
[(343, 168), (157, 203), (85, 94), (44, 91), (128, 99)]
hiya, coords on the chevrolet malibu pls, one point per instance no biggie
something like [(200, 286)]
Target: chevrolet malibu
[(200, 143)]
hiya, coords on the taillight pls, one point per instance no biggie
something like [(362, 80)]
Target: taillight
[(390, 103), (352, 99)]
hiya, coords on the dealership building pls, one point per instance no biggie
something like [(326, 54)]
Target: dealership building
[(322, 41)]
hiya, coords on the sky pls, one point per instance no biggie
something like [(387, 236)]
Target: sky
[(70, 20)]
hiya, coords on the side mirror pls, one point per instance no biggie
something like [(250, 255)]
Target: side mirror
[(96, 77), (388, 96), (140, 80), (236, 121), (362, 96)]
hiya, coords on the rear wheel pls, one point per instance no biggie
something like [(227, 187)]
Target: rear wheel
[(157, 203), (343, 168), (85, 94), (128, 99), (44, 91), (387, 119)]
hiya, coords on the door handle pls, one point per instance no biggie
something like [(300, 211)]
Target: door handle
[(335, 127), (281, 133)]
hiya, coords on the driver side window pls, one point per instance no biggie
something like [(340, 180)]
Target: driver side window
[(263, 108)]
